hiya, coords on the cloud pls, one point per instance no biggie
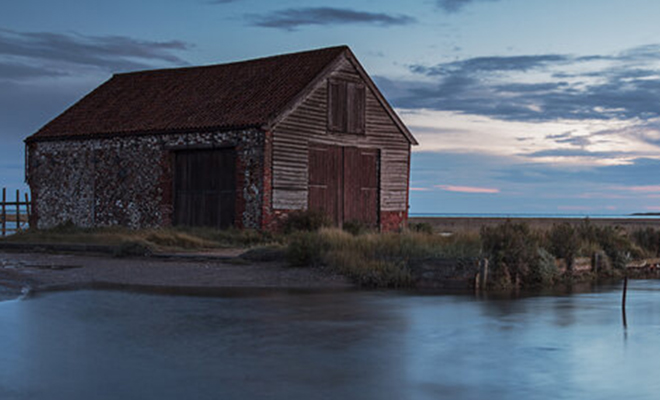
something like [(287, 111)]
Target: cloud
[(575, 153), (292, 18), (467, 189), (569, 138), (538, 88), (27, 55), (530, 187), (42, 73), (18, 71), (640, 189), (577, 208), (493, 64), (453, 6)]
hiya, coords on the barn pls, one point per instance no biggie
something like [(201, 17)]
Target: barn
[(242, 144)]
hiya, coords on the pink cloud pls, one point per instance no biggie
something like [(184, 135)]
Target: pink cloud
[(641, 189), (419, 189), (593, 195), (467, 189), (574, 208), (653, 208)]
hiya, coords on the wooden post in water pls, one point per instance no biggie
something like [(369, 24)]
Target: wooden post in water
[(3, 215), (477, 278), (623, 301), (484, 273)]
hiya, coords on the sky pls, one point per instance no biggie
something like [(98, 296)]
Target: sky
[(520, 106)]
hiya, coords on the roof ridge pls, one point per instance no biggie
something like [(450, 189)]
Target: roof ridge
[(247, 61)]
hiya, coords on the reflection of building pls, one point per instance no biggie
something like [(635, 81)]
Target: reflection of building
[(234, 144)]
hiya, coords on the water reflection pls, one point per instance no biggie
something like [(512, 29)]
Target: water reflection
[(349, 345)]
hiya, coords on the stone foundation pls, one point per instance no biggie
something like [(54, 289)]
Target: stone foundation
[(393, 220)]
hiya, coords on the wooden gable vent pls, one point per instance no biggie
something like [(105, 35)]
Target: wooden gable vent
[(346, 107)]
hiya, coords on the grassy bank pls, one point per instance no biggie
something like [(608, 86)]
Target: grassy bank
[(131, 241), (519, 256), (377, 259)]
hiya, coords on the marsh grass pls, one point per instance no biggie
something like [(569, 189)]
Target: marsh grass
[(519, 255), (376, 259), (131, 241)]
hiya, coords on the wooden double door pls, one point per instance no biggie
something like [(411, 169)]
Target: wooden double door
[(205, 188), (343, 183)]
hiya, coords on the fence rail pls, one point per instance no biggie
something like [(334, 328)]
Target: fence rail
[(14, 215)]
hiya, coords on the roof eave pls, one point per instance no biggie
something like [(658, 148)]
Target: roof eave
[(107, 135)]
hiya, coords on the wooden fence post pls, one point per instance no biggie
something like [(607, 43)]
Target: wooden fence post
[(28, 207), (18, 211), (3, 216)]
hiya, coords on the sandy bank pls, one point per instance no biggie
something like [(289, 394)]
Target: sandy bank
[(42, 272)]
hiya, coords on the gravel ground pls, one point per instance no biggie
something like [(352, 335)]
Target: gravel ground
[(42, 272)]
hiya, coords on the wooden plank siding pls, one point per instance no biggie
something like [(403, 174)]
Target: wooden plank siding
[(309, 122)]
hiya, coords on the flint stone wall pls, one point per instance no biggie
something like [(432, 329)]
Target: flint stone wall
[(128, 181)]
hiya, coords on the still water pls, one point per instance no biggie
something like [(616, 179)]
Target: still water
[(339, 345)]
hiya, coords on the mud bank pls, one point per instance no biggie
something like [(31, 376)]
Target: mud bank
[(46, 272)]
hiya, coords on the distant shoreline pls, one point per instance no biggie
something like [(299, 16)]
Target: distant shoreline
[(460, 223), (537, 216)]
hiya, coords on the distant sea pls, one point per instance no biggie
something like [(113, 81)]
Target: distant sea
[(515, 215)]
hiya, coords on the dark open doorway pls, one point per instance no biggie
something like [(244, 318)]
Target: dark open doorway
[(205, 188)]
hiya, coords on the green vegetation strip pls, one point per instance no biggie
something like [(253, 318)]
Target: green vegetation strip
[(518, 255)]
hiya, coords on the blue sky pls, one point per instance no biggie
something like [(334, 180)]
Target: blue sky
[(520, 106)]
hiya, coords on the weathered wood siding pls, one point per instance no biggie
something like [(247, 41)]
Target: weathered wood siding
[(309, 123)]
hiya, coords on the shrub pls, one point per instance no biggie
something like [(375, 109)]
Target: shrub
[(355, 228), (616, 245), (564, 242), (545, 271), (615, 242), (649, 240), (512, 249), (619, 258), (305, 221), (421, 227), (306, 249), (131, 248)]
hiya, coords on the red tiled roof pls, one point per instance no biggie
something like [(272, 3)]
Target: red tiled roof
[(225, 96)]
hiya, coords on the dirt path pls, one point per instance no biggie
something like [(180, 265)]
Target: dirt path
[(42, 272)]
